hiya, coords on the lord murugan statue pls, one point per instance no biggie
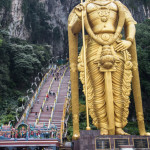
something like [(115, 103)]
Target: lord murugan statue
[(111, 65)]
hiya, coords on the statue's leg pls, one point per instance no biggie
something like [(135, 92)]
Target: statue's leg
[(117, 81), (97, 80)]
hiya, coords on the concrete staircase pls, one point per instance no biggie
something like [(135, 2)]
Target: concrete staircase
[(58, 111), (57, 116), (45, 115)]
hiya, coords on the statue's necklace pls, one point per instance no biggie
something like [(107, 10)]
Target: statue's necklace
[(104, 13), (102, 3)]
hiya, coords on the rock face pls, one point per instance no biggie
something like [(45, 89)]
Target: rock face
[(17, 27), (139, 9), (59, 11)]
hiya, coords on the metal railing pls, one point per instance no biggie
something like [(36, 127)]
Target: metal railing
[(66, 107)]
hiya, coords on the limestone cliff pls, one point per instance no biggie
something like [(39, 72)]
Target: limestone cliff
[(140, 9), (17, 27)]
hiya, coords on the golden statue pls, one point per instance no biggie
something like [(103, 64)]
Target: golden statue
[(107, 65)]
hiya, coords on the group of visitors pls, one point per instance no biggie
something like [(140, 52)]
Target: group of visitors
[(56, 75), (47, 108), (52, 93), (44, 133)]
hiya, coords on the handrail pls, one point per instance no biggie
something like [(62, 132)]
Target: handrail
[(67, 101), (51, 117), (27, 110)]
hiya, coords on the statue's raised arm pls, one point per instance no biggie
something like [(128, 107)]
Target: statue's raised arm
[(111, 64)]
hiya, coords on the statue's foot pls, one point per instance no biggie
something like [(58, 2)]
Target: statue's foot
[(103, 131), (119, 131), (145, 134)]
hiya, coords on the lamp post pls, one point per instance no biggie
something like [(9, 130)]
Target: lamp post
[(51, 62), (40, 75), (66, 57), (22, 102), (12, 122), (56, 60), (61, 59), (17, 114)]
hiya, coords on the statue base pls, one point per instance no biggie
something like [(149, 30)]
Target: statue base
[(92, 140)]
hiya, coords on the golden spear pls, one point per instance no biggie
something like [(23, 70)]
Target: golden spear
[(85, 70)]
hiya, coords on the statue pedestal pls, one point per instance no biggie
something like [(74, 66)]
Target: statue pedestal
[(92, 140)]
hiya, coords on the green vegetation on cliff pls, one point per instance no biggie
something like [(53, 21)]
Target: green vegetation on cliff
[(20, 60), (5, 7), (20, 63), (5, 4), (143, 48)]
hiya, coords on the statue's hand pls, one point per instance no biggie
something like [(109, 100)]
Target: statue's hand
[(79, 8), (123, 45)]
